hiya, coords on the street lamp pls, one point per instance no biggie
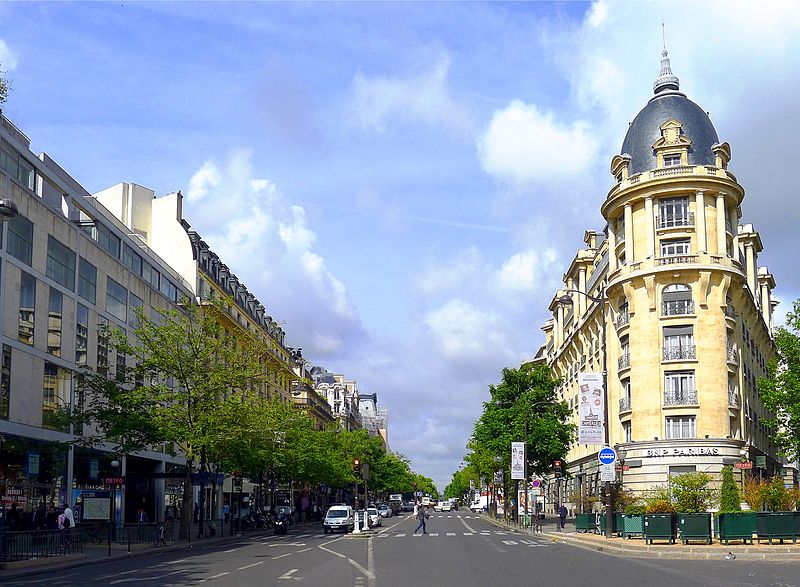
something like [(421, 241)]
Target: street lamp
[(113, 500), (744, 453), (8, 210), (621, 454), (566, 300)]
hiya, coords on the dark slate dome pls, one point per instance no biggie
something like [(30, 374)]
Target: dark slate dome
[(668, 103)]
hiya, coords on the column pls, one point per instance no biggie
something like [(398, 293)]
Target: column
[(612, 245), (651, 235), (629, 234), (559, 325), (735, 228), (721, 238), (750, 259), (582, 287), (700, 221), (765, 305)]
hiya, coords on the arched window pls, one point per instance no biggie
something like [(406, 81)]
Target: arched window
[(676, 300)]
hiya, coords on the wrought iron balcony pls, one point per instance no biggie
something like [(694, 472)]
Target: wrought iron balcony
[(730, 312), (684, 397), (625, 404), (678, 353), (677, 308), (623, 318), (733, 398), (733, 355), (675, 220), (624, 361)]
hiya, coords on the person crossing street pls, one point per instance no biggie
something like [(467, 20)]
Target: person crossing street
[(422, 515)]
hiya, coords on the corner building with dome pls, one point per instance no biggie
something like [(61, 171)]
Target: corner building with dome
[(687, 310)]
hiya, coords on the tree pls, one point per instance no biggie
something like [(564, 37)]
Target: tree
[(691, 492), (729, 500), (753, 493), (191, 385), (780, 390), (3, 87)]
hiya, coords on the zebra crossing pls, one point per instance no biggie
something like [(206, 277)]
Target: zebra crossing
[(524, 542)]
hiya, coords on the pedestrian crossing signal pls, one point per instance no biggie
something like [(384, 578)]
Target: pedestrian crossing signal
[(356, 466), (558, 468)]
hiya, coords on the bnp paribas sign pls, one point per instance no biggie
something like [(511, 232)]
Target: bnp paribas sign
[(686, 451)]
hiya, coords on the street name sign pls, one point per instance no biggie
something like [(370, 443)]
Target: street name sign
[(607, 455)]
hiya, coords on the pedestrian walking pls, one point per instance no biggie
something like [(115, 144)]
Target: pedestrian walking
[(70, 516), (422, 515), (65, 526), (562, 515), (196, 514), (226, 511)]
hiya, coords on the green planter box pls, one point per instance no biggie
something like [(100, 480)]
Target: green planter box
[(737, 526), (659, 527), (632, 525), (797, 524), (584, 522), (776, 525), (616, 529), (694, 527)]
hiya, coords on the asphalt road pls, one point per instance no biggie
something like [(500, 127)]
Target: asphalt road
[(460, 549)]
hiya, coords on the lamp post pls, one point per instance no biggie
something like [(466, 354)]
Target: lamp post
[(113, 500), (601, 301), (621, 454), (8, 210), (744, 452), (527, 420)]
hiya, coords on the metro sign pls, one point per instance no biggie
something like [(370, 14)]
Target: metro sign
[(744, 465)]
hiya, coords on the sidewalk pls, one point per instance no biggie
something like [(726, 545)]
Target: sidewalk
[(638, 549), (98, 553)]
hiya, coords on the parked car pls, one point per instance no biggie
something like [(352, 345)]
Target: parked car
[(339, 518), (374, 517), (384, 510)]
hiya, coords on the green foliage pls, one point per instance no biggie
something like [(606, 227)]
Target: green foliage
[(525, 396), (3, 87), (729, 500), (691, 492), (627, 502), (780, 391), (776, 497), (659, 501), (753, 493), (459, 485)]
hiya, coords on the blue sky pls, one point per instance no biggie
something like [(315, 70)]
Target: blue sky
[(402, 183)]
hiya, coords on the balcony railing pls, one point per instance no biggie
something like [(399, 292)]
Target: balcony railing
[(624, 361), (677, 307), (733, 355), (676, 260), (730, 312), (676, 170), (623, 318), (620, 235), (684, 397), (625, 404), (675, 220), (678, 353), (733, 398)]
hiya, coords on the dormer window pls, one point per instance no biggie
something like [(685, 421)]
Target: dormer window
[(672, 160)]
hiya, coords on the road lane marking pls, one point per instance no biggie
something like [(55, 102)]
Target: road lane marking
[(364, 571), (413, 535), (138, 579), (282, 555), (403, 534), (467, 533), (434, 533), (371, 564), (304, 550), (510, 542), (322, 547), (451, 533), (250, 565), (288, 574), (217, 576), (180, 560)]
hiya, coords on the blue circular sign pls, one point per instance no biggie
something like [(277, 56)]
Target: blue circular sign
[(607, 455)]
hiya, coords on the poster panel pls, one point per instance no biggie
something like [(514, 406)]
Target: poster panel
[(518, 461), (591, 427)]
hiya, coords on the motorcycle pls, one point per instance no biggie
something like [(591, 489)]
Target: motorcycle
[(281, 526)]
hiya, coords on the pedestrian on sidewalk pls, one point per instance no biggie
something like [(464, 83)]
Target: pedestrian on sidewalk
[(226, 511), (562, 515), (196, 514), (422, 515)]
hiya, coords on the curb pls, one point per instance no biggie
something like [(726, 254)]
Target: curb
[(646, 552), (57, 565)]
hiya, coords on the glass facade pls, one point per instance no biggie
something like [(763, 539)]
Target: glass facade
[(20, 239), (87, 281), (54, 322), (27, 308)]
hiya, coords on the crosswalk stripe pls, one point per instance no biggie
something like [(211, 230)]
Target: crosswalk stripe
[(451, 533), (434, 534), (467, 533), (510, 542), (400, 535)]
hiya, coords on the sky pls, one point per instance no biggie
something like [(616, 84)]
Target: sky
[(402, 184)]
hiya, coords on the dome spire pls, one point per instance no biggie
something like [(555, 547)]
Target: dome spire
[(666, 79)]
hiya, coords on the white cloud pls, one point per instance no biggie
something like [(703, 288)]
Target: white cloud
[(464, 331), (269, 245), (523, 144), (524, 271), (205, 178), (8, 60), (597, 13), (437, 277), (424, 97)]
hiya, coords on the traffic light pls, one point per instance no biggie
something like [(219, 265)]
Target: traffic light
[(357, 466), (558, 468)]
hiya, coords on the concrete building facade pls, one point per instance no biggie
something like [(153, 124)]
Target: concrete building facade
[(686, 306)]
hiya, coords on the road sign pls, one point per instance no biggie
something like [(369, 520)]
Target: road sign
[(619, 467), (744, 465), (536, 483), (607, 455), (607, 472), (761, 462)]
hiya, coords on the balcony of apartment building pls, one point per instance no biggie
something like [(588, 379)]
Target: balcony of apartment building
[(683, 352), (680, 397), (624, 361), (623, 318), (733, 355), (683, 219), (666, 172), (733, 398), (683, 307)]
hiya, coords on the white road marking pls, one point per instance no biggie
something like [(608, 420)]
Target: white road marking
[(180, 560), (413, 535), (510, 542), (467, 533), (102, 578), (371, 564), (366, 572), (399, 535), (322, 547), (249, 566), (217, 576), (468, 527), (282, 555), (288, 574), (138, 579), (451, 533), (434, 533), (304, 550), (287, 544)]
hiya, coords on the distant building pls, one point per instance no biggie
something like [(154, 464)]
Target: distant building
[(341, 395), (374, 418)]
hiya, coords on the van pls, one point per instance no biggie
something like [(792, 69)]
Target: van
[(339, 518)]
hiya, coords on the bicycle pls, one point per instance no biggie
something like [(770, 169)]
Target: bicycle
[(162, 535)]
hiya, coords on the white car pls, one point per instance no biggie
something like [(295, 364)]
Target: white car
[(339, 517), (374, 517), (446, 506), (438, 506)]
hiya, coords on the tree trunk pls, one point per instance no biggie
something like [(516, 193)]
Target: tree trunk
[(187, 505)]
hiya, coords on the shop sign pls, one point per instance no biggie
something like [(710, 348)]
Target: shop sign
[(113, 480), (743, 465), (761, 462), (690, 451), (591, 424), (32, 463)]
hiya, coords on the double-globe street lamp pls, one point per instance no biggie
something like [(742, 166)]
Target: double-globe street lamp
[(566, 300), (525, 480)]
